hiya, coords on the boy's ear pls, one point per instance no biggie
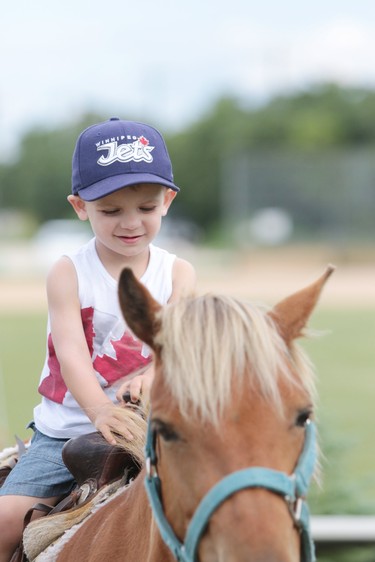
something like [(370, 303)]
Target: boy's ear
[(79, 205), (169, 195)]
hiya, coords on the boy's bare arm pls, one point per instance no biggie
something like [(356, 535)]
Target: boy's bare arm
[(184, 280), (72, 350)]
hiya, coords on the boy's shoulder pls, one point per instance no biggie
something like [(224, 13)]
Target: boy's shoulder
[(183, 267), (184, 279)]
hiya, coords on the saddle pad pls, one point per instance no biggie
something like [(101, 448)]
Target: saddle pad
[(42, 532)]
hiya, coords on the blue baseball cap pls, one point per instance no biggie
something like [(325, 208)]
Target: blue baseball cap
[(116, 154)]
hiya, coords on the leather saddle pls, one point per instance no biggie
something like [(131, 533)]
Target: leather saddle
[(91, 457)]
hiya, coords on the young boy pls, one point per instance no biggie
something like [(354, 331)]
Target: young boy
[(122, 182)]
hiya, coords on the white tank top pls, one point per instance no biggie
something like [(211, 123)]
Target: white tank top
[(114, 350)]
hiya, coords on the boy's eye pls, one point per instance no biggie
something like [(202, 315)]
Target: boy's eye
[(109, 211), (147, 209)]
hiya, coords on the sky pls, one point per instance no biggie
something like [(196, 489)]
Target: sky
[(167, 62)]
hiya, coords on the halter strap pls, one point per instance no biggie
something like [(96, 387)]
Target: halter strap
[(292, 488)]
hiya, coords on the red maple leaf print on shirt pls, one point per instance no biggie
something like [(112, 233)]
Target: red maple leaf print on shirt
[(127, 360)]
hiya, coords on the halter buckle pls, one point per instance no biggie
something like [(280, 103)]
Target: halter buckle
[(151, 469), (295, 510)]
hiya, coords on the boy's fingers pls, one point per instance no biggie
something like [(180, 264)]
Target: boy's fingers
[(108, 436), (121, 430), (135, 389)]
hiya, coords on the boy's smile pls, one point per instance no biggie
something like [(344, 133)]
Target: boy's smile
[(129, 239), (126, 221)]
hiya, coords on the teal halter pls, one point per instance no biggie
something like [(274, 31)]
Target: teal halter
[(292, 488)]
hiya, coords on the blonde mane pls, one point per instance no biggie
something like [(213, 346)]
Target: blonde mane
[(211, 343)]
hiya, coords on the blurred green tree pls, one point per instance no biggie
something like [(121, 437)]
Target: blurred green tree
[(208, 154), (40, 180)]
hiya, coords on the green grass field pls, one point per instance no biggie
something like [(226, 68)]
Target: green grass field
[(22, 348), (344, 359)]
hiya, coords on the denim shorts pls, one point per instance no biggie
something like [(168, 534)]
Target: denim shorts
[(40, 472)]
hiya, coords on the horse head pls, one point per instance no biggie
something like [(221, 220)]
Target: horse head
[(231, 445)]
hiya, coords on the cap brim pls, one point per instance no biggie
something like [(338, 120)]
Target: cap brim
[(114, 183)]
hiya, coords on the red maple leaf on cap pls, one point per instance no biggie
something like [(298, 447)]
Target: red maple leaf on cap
[(144, 141)]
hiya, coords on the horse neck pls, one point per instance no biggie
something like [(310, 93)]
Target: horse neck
[(135, 527)]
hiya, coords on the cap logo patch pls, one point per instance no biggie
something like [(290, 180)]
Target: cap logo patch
[(138, 151)]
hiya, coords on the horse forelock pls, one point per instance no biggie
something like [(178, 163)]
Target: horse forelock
[(211, 345)]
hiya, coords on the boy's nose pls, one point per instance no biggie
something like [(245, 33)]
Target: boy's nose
[(131, 222)]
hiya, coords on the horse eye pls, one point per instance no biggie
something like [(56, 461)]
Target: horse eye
[(303, 417), (166, 431)]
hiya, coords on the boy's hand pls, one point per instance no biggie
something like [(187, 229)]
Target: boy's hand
[(139, 385), (106, 421)]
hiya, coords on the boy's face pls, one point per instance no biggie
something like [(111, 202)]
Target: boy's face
[(128, 220)]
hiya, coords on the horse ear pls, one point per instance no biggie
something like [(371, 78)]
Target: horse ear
[(291, 314), (138, 307)]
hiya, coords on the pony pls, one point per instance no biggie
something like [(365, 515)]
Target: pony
[(231, 439)]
